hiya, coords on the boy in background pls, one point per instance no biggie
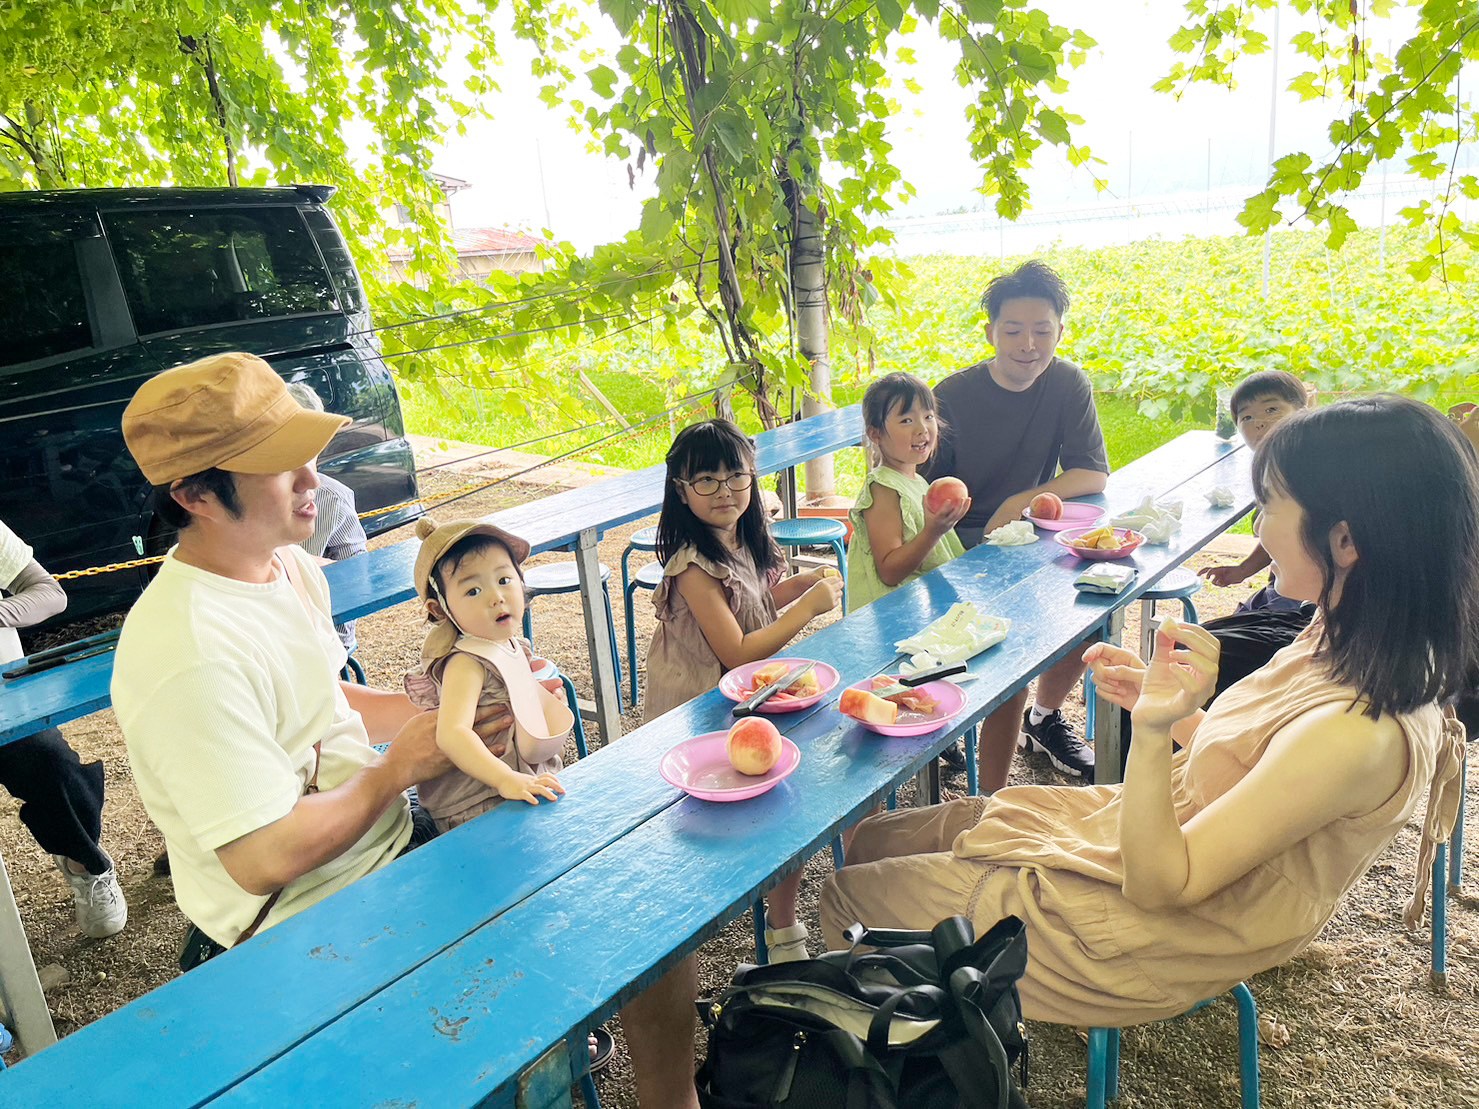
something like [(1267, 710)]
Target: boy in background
[(1266, 622)]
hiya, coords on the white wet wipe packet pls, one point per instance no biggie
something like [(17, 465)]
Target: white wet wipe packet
[(1105, 577), (954, 637), (1157, 522), (1220, 496), (1016, 534)]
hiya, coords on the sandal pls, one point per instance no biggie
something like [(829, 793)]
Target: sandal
[(786, 945), (602, 1047)]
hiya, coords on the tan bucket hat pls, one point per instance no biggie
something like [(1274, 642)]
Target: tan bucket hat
[(437, 539), (231, 411)]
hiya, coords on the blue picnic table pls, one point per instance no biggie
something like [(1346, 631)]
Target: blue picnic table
[(447, 976), (575, 519)]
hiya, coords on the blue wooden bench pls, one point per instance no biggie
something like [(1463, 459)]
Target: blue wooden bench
[(346, 962)]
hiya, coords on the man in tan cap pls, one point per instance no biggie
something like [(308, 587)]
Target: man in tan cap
[(250, 755)]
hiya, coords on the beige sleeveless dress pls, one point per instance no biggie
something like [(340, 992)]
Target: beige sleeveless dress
[(680, 663), (454, 798), (1050, 855)]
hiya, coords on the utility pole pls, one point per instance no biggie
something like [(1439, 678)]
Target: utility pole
[(809, 293)]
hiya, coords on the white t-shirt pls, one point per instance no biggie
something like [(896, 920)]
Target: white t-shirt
[(222, 687), (15, 556)]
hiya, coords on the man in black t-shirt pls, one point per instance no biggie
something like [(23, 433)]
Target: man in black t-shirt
[(1016, 425)]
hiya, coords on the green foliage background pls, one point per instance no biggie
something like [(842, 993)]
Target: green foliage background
[(1159, 325)]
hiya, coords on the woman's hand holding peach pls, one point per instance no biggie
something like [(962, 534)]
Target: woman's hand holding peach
[(1181, 676), (1118, 673)]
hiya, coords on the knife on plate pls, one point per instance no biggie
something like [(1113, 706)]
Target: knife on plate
[(752, 703), (905, 684)]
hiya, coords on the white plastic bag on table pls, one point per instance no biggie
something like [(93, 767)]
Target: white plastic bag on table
[(958, 635)]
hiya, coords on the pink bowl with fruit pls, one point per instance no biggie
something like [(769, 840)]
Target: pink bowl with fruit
[(943, 699), (1129, 542)]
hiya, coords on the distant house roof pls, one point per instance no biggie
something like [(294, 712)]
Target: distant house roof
[(475, 241), (450, 185)]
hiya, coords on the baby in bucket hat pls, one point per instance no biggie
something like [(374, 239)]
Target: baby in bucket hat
[(468, 576)]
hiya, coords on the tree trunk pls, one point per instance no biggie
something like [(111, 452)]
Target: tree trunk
[(30, 137), (809, 287), (219, 101)]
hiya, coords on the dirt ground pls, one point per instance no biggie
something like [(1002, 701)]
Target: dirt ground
[(1363, 1024)]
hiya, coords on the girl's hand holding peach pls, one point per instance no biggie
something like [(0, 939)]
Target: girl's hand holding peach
[(950, 513), (1182, 675), (824, 596)]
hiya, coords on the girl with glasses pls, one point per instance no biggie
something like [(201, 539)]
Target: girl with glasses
[(719, 602)]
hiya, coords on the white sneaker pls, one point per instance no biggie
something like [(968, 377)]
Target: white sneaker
[(786, 945), (101, 909)]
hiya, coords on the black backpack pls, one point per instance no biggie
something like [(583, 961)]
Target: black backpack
[(930, 1021)]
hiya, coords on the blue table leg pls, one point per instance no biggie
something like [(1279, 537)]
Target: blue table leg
[(1440, 917), (972, 780), (1456, 842)]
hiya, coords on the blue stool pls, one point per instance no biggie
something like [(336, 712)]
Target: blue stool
[(1447, 878), (1104, 1054), (5, 1044), (648, 577), (353, 671), (562, 577), (815, 531), (644, 540)]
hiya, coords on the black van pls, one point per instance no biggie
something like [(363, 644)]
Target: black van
[(101, 289)]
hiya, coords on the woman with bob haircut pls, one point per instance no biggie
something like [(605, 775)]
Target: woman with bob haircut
[(1227, 857)]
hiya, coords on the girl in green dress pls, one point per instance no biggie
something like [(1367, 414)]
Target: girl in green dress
[(894, 539)]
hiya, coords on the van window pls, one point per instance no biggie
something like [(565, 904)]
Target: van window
[(184, 269), (43, 313)]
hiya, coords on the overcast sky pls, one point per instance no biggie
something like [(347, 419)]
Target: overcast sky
[(1152, 144)]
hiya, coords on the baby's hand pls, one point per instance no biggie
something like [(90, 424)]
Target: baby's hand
[(531, 787), (1223, 575), (824, 596)]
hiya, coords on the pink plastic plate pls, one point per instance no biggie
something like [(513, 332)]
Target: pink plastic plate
[(1066, 538), (1076, 514), (700, 768), (951, 700), (739, 683)]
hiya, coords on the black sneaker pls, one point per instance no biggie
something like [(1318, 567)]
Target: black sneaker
[(1056, 738), (954, 758)]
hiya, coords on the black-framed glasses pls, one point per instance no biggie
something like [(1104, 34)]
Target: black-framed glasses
[(708, 486)]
